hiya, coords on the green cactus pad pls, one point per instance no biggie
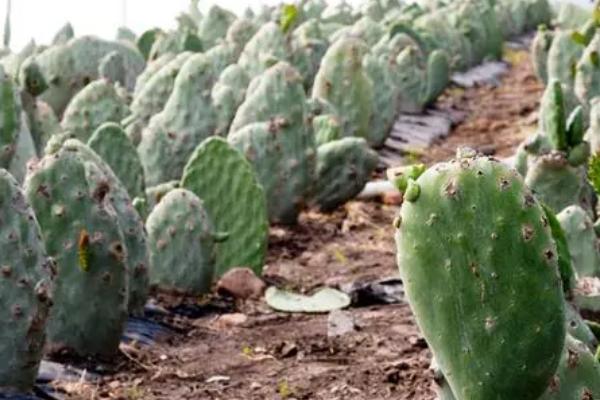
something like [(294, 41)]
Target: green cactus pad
[(342, 81), (558, 184), (129, 220), (96, 104), (26, 278), (266, 48), (182, 245), (125, 162), (480, 271), (235, 201), (82, 234), (582, 240), (187, 119), (343, 168)]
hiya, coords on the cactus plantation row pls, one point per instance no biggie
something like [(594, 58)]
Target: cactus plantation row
[(160, 161)]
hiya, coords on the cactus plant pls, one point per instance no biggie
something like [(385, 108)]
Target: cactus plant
[(182, 243), (342, 81), (271, 129), (125, 162), (557, 183), (577, 376), (81, 232), (565, 51), (344, 166), (214, 25), (112, 69), (93, 106), (227, 95), (26, 279), (64, 34), (70, 67), (587, 84), (266, 48), (10, 119), (540, 47), (130, 222), (187, 119), (582, 240), (152, 67), (152, 97), (234, 200), (460, 279)]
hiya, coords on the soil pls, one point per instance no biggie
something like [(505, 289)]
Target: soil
[(247, 351)]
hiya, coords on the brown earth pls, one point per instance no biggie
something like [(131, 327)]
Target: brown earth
[(251, 352)]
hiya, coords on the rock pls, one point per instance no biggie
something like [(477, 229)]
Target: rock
[(227, 321), (241, 283), (340, 323)]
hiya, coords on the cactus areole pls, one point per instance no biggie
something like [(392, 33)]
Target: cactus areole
[(479, 266)]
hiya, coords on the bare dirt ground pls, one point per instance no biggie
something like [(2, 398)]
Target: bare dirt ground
[(269, 355)]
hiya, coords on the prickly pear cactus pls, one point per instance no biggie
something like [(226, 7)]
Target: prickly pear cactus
[(182, 245), (214, 25), (565, 51), (540, 48), (64, 34), (385, 103), (558, 184), (342, 81), (153, 96), (81, 232), (343, 168), (582, 240), (577, 376), (25, 289), (187, 119), (175, 42), (10, 119), (130, 222), (151, 69), (125, 162), (234, 200), (266, 48), (70, 67), (460, 280), (41, 120), (593, 133), (24, 151), (271, 129), (308, 46), (227, 95), (326, 128), (93, 106), (587, 82), (240, 32), (146, 40), (154, 194), (112, 68), (30, 78)]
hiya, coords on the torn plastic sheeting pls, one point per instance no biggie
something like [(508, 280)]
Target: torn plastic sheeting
[(368, 293), (145, 331)]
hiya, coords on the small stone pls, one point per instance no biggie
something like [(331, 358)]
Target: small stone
[(340, 323), (241, 283), (227, 321)]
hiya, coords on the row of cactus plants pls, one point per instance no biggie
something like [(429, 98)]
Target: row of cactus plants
[(498, 261), (160, 160)]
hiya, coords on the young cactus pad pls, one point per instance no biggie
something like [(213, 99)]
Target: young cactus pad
[(480, 270), (235, 201), (25, 288), (182, 243)]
